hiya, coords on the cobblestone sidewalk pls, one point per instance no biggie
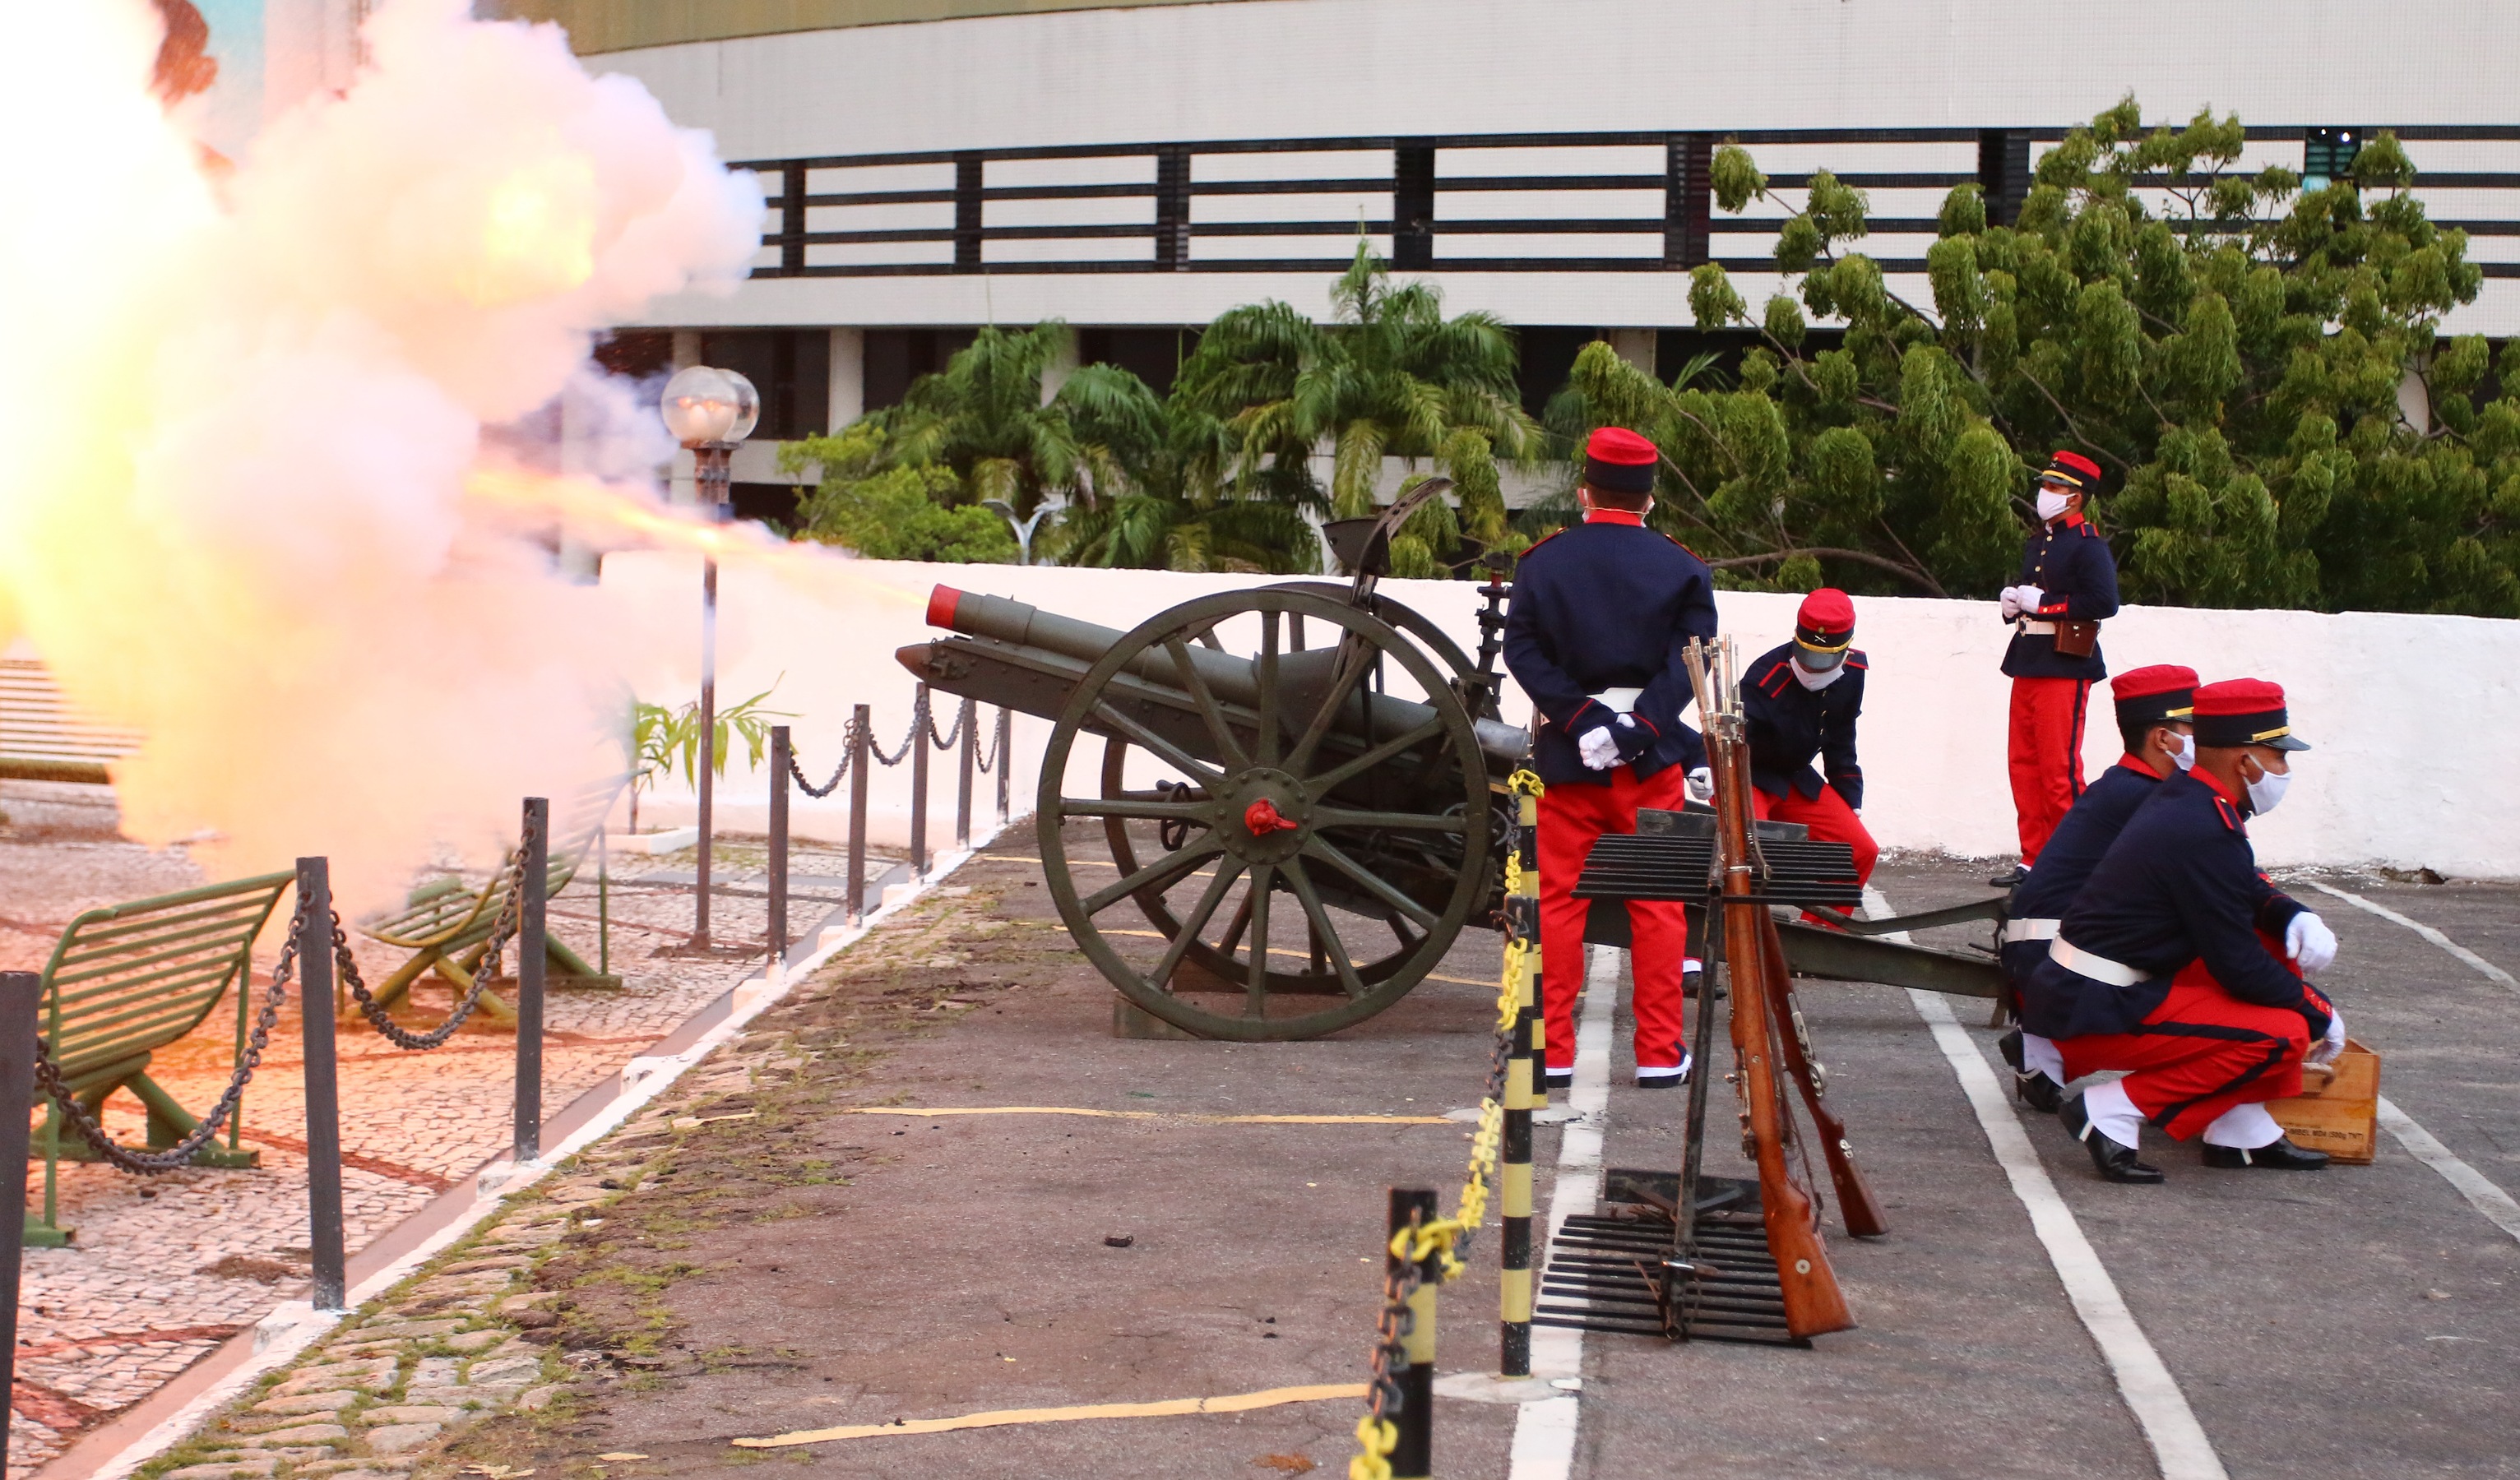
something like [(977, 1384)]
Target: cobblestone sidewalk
[(164, 1269)]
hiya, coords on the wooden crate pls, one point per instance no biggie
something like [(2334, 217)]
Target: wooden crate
[(2338, 1111)]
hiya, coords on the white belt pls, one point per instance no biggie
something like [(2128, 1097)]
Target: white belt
[(1617, 700), (2073, 957), (2035, 629), (2029, 930)]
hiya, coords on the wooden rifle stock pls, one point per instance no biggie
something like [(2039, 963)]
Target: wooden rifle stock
[(1855, 1203), (1813, 1302)]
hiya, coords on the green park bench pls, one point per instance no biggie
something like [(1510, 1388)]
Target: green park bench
[(43, 740), (447, 925), (126, 980)]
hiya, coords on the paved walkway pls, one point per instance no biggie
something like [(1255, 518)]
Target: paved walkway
[(164, 1269)]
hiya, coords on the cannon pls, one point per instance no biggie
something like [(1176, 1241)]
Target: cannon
[(1298, 836), (1306, 830)]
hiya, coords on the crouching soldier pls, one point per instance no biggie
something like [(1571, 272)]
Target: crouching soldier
[(2167, 964)]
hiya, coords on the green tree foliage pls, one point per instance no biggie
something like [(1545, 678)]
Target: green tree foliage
[(903, 512), (2258, 367)]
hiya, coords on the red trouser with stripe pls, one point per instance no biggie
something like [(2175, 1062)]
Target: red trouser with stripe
[(1831, 820), (1572, 818), (2200, 1053), (2045, 755)]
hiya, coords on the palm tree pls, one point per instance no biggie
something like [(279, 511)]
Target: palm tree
[(1390, 376), (984, 417)]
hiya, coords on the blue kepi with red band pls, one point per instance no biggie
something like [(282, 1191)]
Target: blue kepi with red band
[(1824, 629), (1618, 461), (2244, 711)]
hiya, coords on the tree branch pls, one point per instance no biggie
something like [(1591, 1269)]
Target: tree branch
[(1828, 552)]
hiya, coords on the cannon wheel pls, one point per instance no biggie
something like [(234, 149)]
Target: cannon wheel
[(1305, 878)]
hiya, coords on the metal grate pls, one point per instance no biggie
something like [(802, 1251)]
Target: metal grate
[(1609, 1271)]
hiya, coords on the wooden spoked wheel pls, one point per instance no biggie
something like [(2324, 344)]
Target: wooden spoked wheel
[(1309, 848)]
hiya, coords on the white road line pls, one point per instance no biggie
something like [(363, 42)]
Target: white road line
[(1544, 1428), (2480, 1191), (2486, 968), (2152, 1394), (2482, 1194)]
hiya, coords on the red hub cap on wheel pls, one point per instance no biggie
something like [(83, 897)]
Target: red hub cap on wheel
[(1262, 818)]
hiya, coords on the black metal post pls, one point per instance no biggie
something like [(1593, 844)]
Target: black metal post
[(21, 993), (782, 754), (860, 760), (969, 726), (1006, 766), (711, 465), (531, 943), (1412, 1458), (918, 785), (323, 1086)]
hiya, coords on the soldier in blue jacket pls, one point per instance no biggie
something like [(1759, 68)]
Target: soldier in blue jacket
[(2154, 709), (1603, 611), (1802, 700), (2168, 964), (2068, 587)]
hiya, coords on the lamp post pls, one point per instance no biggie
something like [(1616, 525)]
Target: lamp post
[(709, 410)]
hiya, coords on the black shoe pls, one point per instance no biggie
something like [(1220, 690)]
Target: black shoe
[(2036, 1091), (2276, 1155), (2012, 879), (2010, 1045), (1691, 983), (1646, 1081), (1560, 1079), (2115, 1163)]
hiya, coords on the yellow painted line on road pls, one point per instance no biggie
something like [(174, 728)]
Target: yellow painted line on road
[(1236, 1403), (913, 1113)]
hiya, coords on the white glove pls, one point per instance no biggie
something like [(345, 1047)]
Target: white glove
[(2031, 599), (1701, 785), (2310, 943), (2326, 1050), (2011, 597), (1600, 751)]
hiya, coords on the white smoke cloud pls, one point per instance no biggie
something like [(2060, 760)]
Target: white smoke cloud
[(239, 504)]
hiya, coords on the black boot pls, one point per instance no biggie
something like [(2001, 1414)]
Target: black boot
[(2115, 1162), (1560, 1079), (1691, 983), (2010, 1045), (2276, 1155), (2036, 1091)]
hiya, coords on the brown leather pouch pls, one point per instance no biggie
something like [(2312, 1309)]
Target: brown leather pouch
[(2077, 638)]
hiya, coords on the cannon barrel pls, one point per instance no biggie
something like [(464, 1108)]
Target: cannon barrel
[(1231, 679)]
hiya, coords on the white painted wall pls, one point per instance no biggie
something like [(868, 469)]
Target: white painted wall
[(2411, 717)]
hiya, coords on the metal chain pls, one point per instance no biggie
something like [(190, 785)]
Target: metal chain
[(917, 722), (48, 1075), (997, 744), (1376, 1436), (502, 931), (848, 754), (961, 715)]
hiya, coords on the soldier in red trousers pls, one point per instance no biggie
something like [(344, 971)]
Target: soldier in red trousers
[(1802, 700), (2068, 587), (1603, 611)]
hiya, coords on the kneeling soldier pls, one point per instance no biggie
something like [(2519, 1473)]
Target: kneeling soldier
[(1802, 701), (2166, 964), (2154, 707)]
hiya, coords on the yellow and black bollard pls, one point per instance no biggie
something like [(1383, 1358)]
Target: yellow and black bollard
[(1525, 1087), (1413, 1456)]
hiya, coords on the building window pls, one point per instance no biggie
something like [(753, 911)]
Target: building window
[(2327, 156)]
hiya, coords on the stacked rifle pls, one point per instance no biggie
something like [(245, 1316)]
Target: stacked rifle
[(1691, 1256)]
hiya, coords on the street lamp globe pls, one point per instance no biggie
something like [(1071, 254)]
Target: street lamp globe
[(703, 405)]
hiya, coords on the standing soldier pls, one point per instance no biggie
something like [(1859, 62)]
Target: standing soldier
[(2179, 964), (2069, 586), (1802, 701), (2155, 708), (1603, 611)]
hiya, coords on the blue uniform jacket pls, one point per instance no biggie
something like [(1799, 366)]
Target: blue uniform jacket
[(1790, 725), (2179, 883), (2078, 578), (2072, 852), (1607, 605)]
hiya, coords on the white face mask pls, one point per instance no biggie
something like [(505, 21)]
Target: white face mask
[(2052, 503), (2268, 790), (2183, 751), (1816, 681)]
